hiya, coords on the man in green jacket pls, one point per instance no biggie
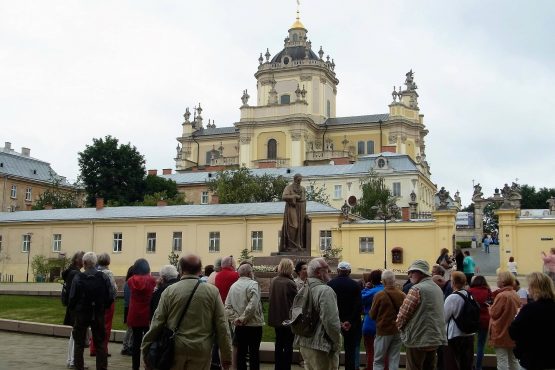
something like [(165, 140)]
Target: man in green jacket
[(204, 319)]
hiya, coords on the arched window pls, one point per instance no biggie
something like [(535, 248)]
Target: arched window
[(272, 149), (370, 147), (285, 99)]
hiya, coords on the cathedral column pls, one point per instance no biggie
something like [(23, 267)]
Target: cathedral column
[(245, 151), (296, 149)]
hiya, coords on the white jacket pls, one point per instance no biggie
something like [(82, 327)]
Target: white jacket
[(243, 302)]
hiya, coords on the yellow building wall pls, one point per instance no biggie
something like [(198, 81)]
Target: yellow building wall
[(419, 240), (97, 236), (524, 239), (262, 144)]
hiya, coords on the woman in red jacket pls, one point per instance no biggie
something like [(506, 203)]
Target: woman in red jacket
[(481, 292), (142, 286)]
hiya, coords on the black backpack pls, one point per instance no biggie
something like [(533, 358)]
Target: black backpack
[(304, 316), (94, 292), (468, 320)]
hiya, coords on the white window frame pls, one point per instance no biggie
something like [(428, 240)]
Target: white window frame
[(396, 191), (337, 192), (204, 197), (56, 242), (366, 244), (177, 241), (325, 240), (26, 243), (13, 193), (28, 194), (117, 242), (214, 242), (151, 242), (257, 238)]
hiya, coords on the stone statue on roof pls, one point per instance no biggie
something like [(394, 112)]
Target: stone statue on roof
[(409, 81), (477, 191)]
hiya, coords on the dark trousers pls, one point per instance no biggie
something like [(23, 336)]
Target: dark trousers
[(248, 341), (96, 322), (284, 348), (138, 333), (419, 359), (459, 353), (350, 340)]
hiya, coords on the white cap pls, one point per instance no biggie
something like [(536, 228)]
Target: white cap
[(344, 265)]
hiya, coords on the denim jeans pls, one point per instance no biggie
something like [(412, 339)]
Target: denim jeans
[(387, 348), (481, 343)]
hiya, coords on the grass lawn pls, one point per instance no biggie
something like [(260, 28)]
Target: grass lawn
[(50, 310)]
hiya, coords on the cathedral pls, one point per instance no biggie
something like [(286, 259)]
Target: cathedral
[(292, 127)]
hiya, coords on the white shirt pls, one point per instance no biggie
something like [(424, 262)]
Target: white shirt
[(511, 266), (452, 308)]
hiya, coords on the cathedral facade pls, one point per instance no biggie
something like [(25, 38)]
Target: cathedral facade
[(291, 124)]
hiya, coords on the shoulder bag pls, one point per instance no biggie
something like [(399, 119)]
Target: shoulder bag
[(161, 351)]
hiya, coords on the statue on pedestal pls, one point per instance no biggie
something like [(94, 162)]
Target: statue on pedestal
[(294, 217)]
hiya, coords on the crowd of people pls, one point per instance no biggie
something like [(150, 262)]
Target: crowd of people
[(223, 314)]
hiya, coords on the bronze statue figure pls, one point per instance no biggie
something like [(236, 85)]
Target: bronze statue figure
[(294, 217)]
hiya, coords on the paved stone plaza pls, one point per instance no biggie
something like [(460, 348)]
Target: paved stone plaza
[(37, 352)]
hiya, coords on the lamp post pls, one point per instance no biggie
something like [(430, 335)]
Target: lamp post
[(28, 255), (389, 212)]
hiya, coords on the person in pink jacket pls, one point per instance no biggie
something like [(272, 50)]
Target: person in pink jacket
[(549, 263), (502, 312)]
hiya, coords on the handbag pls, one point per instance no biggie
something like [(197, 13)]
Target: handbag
[(161, 351)]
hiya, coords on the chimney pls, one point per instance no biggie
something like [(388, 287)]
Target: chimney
[(7, 146), (405, 213), (162, 203), (99, 203), (166, 171), (26, 152), (153, 172)]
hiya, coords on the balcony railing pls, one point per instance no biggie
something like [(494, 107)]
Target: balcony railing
[(279, 162), (224, 161), (327, 155)]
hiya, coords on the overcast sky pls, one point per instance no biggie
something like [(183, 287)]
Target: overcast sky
[(71, 71)]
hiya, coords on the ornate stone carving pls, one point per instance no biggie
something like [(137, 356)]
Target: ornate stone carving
[(245, 98), (477, 192), (306, 78), (443, 196), (409, 81), (403, 138), (323, 80), (267, 55), (187, 115), (245, 139), (392, 138), (296, 135)]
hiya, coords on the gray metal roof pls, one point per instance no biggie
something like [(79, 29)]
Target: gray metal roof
[(15, 164), (215, 131), (399, 163), (372, 118), (185, 211)]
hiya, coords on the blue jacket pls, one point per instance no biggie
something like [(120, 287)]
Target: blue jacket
[(369, 325)]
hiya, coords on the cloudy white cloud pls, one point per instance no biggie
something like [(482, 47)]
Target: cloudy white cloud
[(71, 71)]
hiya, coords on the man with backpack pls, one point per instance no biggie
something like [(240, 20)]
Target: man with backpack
[(90, 295), (76, 264), (462, 321), (320, 350)]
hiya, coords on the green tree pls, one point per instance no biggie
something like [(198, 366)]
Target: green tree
[(112, 171), (58, 197), (317, 193), (532, 199), (156, 184), (241, 186), (376, 196), (173, 259), (490, 219), (152, 199)]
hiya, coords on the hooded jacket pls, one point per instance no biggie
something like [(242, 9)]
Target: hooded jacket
[(142, 288)]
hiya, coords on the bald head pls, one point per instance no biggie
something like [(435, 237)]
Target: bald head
[(190, 264)]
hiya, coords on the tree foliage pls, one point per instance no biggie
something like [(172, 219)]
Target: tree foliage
[(152, 199), (112, 171), (376, 196), (317, 194), (156, 184), (58, 197), (532, 199), (490, 219), (241, 186)]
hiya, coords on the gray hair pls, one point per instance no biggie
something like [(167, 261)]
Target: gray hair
[(103, 259), (228, 261), (314, 265), (388, 277), (90, 259), (168, 272), (245, 270)]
